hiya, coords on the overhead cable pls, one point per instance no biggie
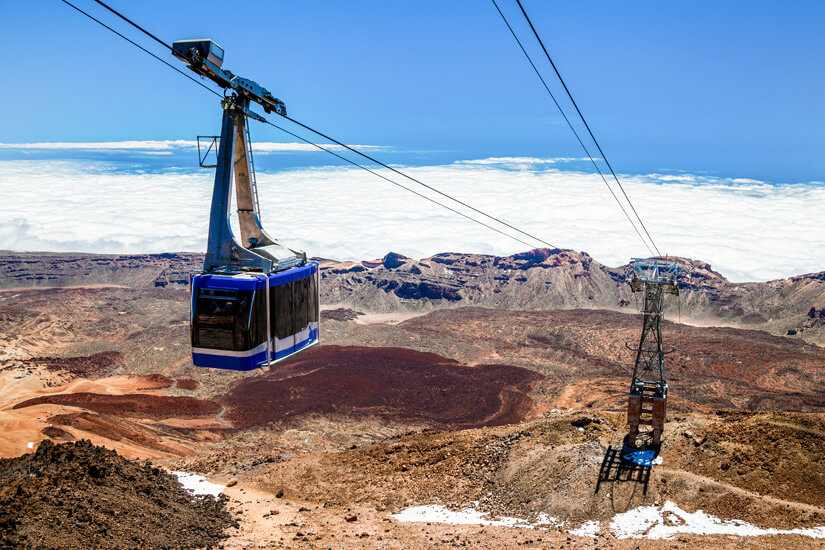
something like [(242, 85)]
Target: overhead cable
[(400, 173), (575, 133), (152, 36), (99, 22), (352, 149), (566, 89), (413, 191)]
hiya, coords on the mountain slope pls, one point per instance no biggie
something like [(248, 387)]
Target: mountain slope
[(540, 279)]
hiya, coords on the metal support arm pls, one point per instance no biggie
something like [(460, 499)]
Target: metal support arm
[(257, 251)]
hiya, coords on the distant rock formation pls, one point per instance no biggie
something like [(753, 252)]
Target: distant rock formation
[(540, 279), (550, 279), (43, 269)]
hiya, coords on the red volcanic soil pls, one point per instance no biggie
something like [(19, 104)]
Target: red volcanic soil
[(53, 432), (582, 353), (393, 383), (110, 428), (86, 366), (152, 382), (135, 405), (187, 384)]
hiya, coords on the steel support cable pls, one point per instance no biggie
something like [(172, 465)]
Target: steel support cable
[(144, 31), (570, 125), (419, 182), (101, 23), (413, 191), (352, 149), (558, 74)]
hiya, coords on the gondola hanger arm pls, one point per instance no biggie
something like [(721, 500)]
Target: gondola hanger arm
[(205, 57)]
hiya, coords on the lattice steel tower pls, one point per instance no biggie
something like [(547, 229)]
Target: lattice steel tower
[(647, 400)]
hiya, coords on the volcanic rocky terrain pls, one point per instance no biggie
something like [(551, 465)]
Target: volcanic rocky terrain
[(541, 279), (467, 381)]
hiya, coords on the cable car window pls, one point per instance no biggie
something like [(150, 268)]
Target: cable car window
[(223, 318), (283, 311), (243, 321), (312, 298), (258, 331), (316, 280), (300, 290)]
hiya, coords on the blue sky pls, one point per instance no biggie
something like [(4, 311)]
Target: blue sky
[(731, 89)]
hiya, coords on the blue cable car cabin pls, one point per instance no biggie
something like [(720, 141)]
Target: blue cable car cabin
[(230, 311), (256, 300)]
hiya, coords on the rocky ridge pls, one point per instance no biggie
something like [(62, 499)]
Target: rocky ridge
[(551, 279), (78, 495), (540, 279)]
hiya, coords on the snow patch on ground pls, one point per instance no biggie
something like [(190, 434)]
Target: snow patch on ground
[(663, 522), (198, 485), (649, 522), (586, 529), (435, 513)]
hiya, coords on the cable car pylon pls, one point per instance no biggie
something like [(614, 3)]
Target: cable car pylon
[(256, 301), (647, 398)]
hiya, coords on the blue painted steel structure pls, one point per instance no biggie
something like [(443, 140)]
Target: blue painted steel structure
[(256, 301), (654, 271), (237, 318)]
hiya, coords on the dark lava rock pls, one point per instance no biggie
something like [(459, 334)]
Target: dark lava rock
[(54, 432), (425, 290), (87, 366), (187, 384), (393, 260), (78, 495), (340, 314)]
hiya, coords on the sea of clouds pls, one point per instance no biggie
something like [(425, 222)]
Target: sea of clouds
[(748, 230)]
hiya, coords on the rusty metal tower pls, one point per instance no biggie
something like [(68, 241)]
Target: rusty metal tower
[(647, 400)]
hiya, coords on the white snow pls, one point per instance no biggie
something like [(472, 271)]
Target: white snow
[(198, 485), (586, 529), (662, 522), (435, 513), (650, 522)]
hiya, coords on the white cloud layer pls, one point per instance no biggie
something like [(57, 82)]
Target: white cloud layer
[(520, 161), (102, 145), (748, 230)]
